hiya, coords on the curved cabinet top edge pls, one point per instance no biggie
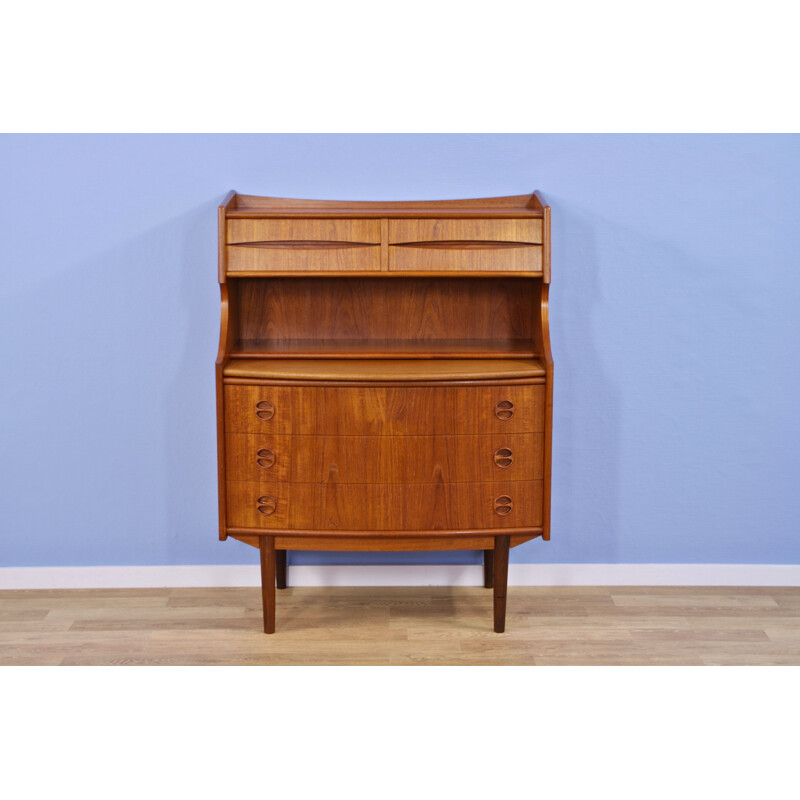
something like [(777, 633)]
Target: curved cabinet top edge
[(524, 205)]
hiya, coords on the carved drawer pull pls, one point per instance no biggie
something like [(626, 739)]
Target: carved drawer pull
[(502, 505), (504, 409), (503, 457), (266, 458), (267, 504), (265, 409)]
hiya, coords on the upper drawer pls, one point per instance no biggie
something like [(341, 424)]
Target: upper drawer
[(304, 244), (466, 244), (392, 411)]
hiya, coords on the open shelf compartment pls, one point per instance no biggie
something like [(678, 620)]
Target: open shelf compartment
[(397, 318)]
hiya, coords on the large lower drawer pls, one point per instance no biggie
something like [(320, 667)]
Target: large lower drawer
[(493, 457), (376, 411), (384, 507)]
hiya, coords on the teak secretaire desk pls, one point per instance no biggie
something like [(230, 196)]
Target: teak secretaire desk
[(384, 378)]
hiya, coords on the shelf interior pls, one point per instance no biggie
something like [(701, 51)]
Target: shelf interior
[(402, 318), (383, 348)]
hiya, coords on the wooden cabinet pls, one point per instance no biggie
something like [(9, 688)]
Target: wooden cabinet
[(384, 378)]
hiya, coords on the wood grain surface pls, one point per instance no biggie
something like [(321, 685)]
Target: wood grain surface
[(465, 244), (385, 369), (396, 411), (421, 312), (360, 412), (385, 459), (430, 625), (383, 507), (319, 244), (243, 206), (380, 541)]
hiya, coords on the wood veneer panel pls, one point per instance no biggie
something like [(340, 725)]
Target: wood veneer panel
[(384, 348), (390, 507), (499, 581), (249, 535), (248, 206), (465, 244), (527, 231), (309, 244), (393, 275), (395, 369), (415, 314), (227, 205), (395, 411), (385, 459), (518, 259), (383, 543), (363, 444)]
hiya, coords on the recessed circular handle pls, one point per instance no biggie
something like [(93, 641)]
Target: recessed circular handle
[(266, 458), (267, 504), (504, 409), (502, 505), (503, 457), (265, 409)]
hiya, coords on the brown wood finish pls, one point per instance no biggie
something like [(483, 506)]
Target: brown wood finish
[(499, 581), (280, 566), (465, 245), (252, 207), (222, 359), (385, 459), (353, 317), (311, 244), (394, 275), (268, 582), (353, 540), (385, 369), (384, 348), (548, 409), (379, 506), (383, 543), (488, 568), (363, 383), (384, 245), (227, 205), (395, 411), (363, 414)]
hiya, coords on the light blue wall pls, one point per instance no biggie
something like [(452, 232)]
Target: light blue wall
[(675, 330)]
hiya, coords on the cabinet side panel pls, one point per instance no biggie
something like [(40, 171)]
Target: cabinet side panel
[(221, 454), (222, 358), (548, 404)]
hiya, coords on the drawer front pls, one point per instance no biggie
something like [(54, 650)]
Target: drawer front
[(385, 459), (466, 244), (384, 507), (376, 411), (304, 244)]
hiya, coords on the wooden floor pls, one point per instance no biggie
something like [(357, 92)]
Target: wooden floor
[(404, 625)]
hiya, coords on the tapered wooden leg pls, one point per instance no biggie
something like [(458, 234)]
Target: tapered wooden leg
[(280, 568), (501, 544), (268, 582), (488, 568)]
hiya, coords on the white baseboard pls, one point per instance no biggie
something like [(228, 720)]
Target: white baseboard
[(404, 575)]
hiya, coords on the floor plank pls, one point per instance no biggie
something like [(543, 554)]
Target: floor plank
[(431, 625)]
